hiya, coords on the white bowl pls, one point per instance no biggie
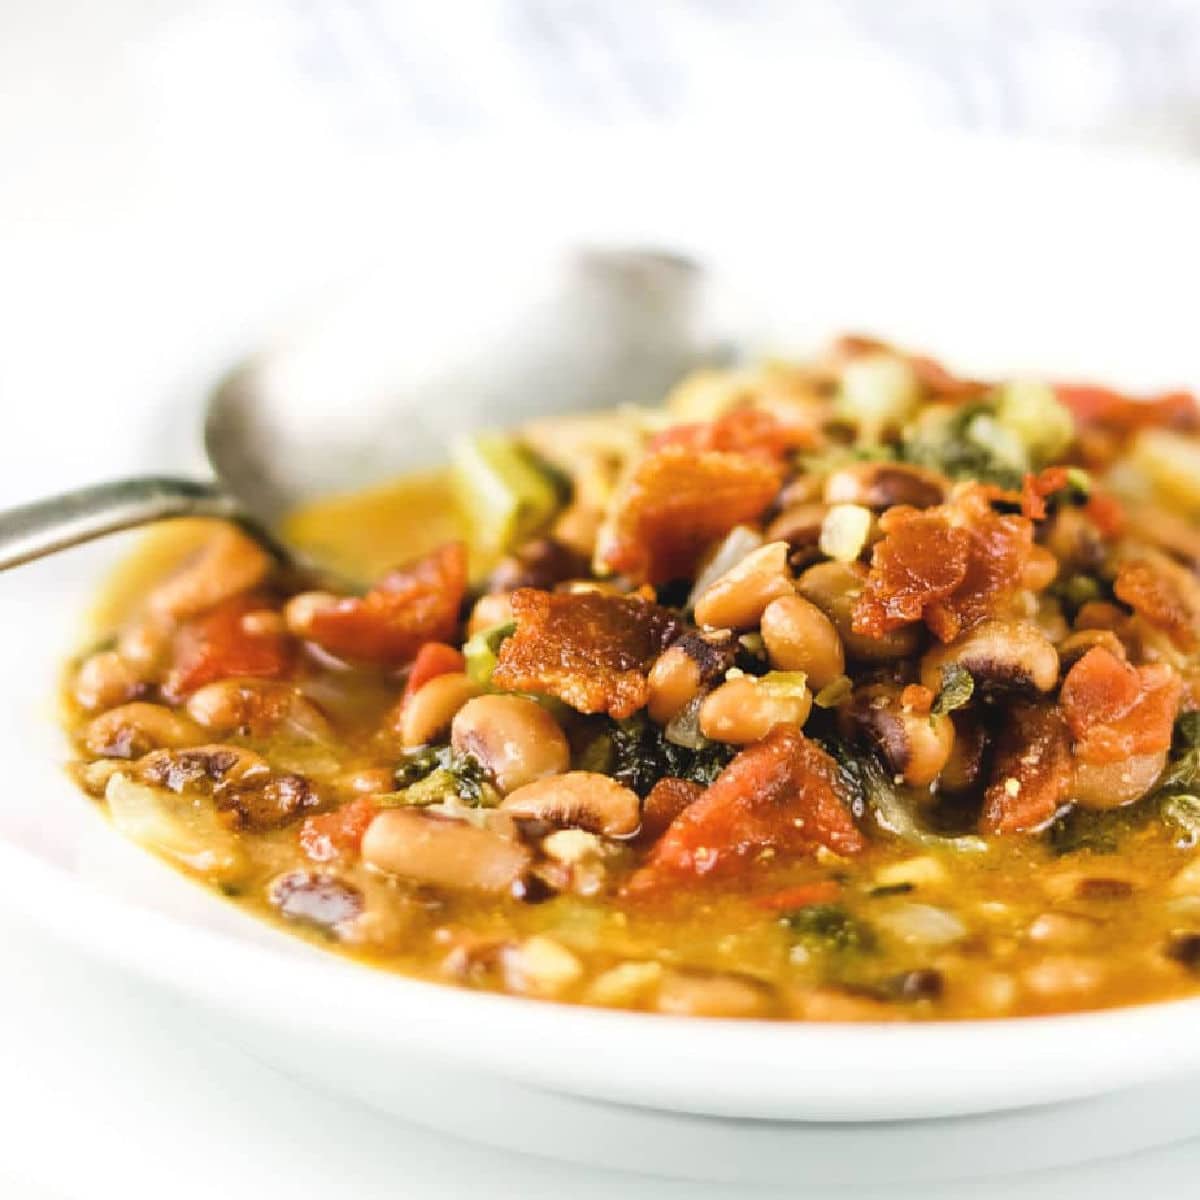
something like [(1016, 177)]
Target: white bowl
[(997, 256)]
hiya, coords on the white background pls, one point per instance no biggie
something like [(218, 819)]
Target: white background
[(168, 159)]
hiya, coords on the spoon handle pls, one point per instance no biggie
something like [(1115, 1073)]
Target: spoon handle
[(34, 530)]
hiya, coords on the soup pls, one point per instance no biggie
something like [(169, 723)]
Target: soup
[(843, 690)]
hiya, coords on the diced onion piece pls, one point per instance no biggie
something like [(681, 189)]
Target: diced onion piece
[(1031, 410), (733, 547), (879, 391), (923, 924), (844, 531), (185, 830)]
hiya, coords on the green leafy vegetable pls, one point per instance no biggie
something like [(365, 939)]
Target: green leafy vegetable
[(1096, 831), (966, 442), (958, 686), (636, 753), (831, 928), (433, 776)]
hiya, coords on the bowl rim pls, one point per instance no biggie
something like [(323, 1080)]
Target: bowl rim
[(773, 1069)]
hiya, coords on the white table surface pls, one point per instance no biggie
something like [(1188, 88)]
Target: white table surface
[(133, 174)]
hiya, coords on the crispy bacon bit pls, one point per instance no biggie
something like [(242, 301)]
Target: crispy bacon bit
[(1032, 774), (1035, 489), (1164, 594), (590, 650), (820, 891), (329, 835), (678, 502), (667, 799), (950, 565), (1098, 406), (1116, 710), (433, 659), (408, 607), (219, 645), (783, 795), (748, 431)]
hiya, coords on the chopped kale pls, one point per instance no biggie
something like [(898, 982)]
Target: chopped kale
[(958, 686), (440, 773), (967, 443), (636, 753), (892, 889), (831, 928)]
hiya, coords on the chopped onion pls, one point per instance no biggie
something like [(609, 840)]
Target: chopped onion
[(922, 923), (736, 544)]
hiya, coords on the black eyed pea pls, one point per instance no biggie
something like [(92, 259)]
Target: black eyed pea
[(673, 683), (135, 729), (1110, 785), (915, 745), (998, 652), (580, 800), (834, 587), (257, 707), (514, 739), (442, 851), (428, 712), (800, 637), (745, 709), (736, 600), (105, 680)]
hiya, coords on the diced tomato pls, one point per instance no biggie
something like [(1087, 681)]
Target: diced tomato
[(1124, 414), (821, 891), (748, 431), (433, 659), (329, 835), (1116, 710), (410, 606), (219, 646), (678, 503), (783, 795)]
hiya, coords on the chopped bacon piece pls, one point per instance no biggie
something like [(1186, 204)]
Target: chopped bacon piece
[(590, 650), (783, 794), (820, 891), (1164, 594), (667, 799), (408, 607), (1098, 406), (1033, 771), (950, 565), (332, 834), (749, 431), (679, 502), (219, 645), (1035, 489), (433, 659), (1116, 710)]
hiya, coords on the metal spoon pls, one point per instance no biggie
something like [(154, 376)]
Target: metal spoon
[(380, 384)]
